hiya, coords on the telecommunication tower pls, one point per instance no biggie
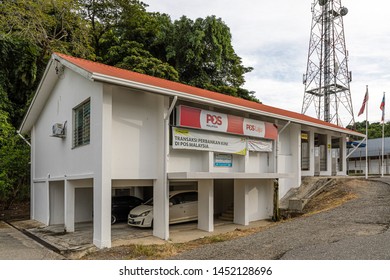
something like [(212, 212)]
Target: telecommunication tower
[(327, 79)]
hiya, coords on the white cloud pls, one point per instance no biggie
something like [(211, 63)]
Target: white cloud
[(273, 37)]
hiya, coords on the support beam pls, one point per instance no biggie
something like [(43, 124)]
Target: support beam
[(206, 205), (102, 179), (241, 200), (69, 204), (161, 184)]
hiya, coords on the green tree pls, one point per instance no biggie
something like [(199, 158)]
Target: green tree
[(132, 56), (18, 74), (14, 161), (47, 24), (202, 53), (30, 30), (374, 129)]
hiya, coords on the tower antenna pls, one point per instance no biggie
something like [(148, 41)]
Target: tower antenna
[(327, 79)]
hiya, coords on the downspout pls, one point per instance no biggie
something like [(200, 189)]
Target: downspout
[(165, 162), (276, 212), (24, 139)]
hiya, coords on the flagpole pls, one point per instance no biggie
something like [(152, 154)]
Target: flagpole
[(367, 133), (383, 132), (383, 145)]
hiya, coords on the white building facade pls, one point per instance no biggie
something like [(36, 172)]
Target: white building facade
[(96, 130)]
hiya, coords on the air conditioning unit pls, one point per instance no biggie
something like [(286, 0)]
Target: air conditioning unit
[(58, 130)]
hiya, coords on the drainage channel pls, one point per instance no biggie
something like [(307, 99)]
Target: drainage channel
[(36, 239)]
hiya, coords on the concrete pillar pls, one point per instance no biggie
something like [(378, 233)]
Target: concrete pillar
[(47, 205), (329, 155), (102, 179), (69, 204), (241, 203), (161, 185), (32, 174), (206, 205), (311, 141)]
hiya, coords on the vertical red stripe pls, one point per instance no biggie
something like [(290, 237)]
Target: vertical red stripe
[(189, 117), (271, 131), (235, 125)]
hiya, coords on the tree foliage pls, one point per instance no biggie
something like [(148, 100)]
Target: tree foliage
[(14, 162), (202, 52), (116, 32), (374, 129)]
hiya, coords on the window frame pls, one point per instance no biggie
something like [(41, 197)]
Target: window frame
[(81, 128)]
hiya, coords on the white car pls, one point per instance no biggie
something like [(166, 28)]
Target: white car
[(183, 207)]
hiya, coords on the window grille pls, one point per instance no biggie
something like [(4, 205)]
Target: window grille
[(81, 124)]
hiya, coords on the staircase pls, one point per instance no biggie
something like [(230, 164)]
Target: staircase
[(228, 215)]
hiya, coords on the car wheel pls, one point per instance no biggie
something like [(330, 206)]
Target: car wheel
[(113, 219)]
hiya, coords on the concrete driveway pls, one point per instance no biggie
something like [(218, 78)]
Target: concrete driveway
[(356, 230), (73, 245), (15, 245)]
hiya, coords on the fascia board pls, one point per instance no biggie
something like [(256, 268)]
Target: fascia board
[(86, 74), (39, 99), (44, 89), (182, 95)]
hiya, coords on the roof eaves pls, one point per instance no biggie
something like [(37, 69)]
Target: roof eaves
[(26, 124), (76, 68), (159, 90)]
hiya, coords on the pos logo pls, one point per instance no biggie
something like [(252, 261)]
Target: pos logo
[(213, 121), (254, 128)]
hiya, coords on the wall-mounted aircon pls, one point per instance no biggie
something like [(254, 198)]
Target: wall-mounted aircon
[(59, 130)]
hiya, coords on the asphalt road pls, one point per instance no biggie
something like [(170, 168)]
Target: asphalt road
[(14, 245), (357, 230)]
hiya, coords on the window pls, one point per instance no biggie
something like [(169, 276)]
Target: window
[(81, 124)]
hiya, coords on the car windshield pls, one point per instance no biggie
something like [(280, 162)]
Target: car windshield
[(149, 202)]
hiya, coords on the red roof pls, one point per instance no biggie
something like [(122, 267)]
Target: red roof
[(99, 68)]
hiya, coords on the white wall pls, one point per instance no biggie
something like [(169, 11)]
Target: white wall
[(260, 200), (289, 158), (40, 208), (253, 200), (56, 194), (188, 161), (259, 162), (200, 161), (134, 134), (83, 204), (56, 156)]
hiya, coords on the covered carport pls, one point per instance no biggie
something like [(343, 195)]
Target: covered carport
[(253, 196)]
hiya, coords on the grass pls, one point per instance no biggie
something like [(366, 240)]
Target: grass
[(164, 251)]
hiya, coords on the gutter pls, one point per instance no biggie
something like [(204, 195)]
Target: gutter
[(24, 139), (158, 90)]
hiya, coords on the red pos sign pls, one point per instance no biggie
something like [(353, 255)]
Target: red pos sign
[(214, 121)]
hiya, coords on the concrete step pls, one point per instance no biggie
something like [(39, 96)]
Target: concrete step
[(223, 218), (228, 214)]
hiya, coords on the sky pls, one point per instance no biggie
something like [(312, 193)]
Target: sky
[(273, 38)]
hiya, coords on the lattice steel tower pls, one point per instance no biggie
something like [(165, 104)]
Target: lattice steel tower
[(327, 79)]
